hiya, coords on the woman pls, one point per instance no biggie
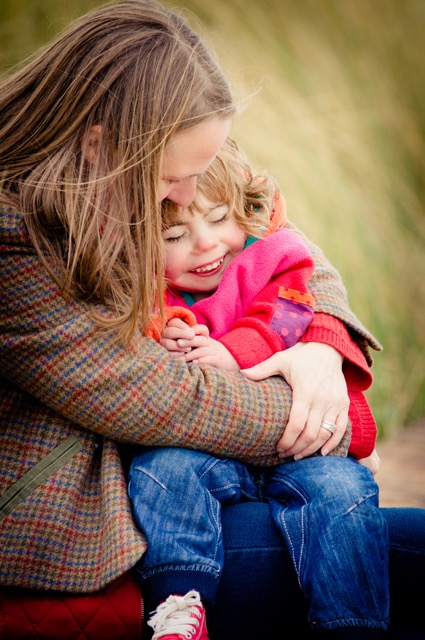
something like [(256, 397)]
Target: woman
[(125, 109)]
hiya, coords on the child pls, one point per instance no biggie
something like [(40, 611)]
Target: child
[(273, 275), (240, 280)]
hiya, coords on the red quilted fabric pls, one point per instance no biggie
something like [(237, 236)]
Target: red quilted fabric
[(116, 613)]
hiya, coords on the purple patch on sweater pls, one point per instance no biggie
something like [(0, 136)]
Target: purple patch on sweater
[(290, 320)]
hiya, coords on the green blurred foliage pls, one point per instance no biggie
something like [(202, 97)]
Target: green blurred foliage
[(332, 100)]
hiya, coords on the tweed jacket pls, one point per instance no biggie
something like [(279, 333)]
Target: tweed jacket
[(71, 398)]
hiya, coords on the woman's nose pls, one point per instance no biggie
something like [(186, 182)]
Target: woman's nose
[(183, 192)]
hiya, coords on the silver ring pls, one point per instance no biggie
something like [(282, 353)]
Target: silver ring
[(329, 426)]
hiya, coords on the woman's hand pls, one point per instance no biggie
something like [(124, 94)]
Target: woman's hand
[(372, 462), (319, 393)]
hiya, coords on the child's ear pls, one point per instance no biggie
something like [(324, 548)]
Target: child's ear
[(90, 143)]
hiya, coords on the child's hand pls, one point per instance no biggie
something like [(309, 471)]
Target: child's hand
[(206, 350), (195, 345), (175, 330), (372, 462)]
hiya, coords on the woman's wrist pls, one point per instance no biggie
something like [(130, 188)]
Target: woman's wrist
[(331, 356)]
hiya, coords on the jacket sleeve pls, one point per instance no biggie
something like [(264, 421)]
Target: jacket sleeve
[(331, 298)]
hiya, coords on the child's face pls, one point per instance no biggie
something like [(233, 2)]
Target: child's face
[(200, 246)]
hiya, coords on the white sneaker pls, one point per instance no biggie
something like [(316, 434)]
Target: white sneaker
[(180, 618)]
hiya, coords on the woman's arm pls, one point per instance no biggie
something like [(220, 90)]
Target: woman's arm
[(52, 350)]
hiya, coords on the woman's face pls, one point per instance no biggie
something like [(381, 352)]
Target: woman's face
[(186, 156)]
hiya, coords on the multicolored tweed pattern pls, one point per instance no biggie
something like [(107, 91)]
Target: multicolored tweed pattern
[(60, 376)]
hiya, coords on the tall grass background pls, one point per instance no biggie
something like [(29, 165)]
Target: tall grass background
[(333, 95)]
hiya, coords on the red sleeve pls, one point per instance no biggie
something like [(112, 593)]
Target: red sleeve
[(363, 426), (250, 345), (154, 328)]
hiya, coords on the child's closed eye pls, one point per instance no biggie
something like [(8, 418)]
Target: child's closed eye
[(173, 238)]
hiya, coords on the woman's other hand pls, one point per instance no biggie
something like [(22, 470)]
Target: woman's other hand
[(372, 462), (319, 393)]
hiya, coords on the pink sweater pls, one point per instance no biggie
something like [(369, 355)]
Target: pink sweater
[(262, 298)]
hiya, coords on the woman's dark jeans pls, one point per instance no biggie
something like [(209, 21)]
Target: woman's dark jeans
[(259, 594)]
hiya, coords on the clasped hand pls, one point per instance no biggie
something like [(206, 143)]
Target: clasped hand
[(195, 345)]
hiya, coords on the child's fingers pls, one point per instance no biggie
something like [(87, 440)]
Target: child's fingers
[(173, 346), (177, 323), (201, 330), (194, 343), (175, 333)]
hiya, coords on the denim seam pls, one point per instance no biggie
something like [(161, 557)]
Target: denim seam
[(297, 565), (197, 567), (217, 522), (351, 622)]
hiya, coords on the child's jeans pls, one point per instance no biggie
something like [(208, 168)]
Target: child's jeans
[(325, 507)]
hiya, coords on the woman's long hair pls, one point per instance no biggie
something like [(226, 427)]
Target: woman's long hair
[(142, 74)]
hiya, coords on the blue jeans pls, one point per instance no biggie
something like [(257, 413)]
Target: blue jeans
[(326, 509)]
